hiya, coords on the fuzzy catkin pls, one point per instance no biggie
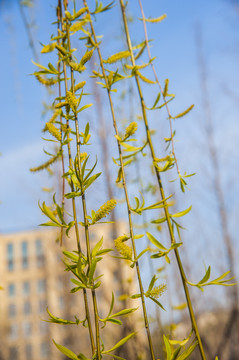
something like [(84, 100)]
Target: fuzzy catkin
[(52, 119), (71, 100), (79, 85), (77, 67), (116, 57), (131, 129), (86, 57), (61, 49), (46, 164), (45, 81), (61, 104), (52, 129), (104, 210), (76, 26), (76, 15), (83, 156), (158, 291), (123, 249), (80, 12)]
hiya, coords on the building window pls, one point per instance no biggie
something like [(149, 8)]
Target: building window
[(26, 329), (24, 255), (28, 351), (12, 310), (61, 302), (42, 306), (10, 262), (27, 308), (60, 283), (43, 327), (92, 236), (11, 290), (13, 332), (41, 286), (45, 349), (26, 288), (13, 353), (39, 253), (58, 258)]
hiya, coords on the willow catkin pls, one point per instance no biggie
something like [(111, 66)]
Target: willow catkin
[(77, 67), (83, 156), (52, 119), (116, 57), (46, 81), (158, 291), (136, 67), (86, 57), (61, 49), (122, 248), (105, 209), (46, 164), (79, 13), (52, 129), (71, 100), (130, 130), (61, 104), (79, 86), (78, 25)]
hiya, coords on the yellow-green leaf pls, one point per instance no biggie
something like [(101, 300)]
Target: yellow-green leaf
[(66, 351), (165, 91), (155, 241), (180, 342), (143, 78), (180, 307), (118, 56), (184, 112), (206, 276), (185, 355), (120, 343), (48, 48), (182, 213), (155, 20)]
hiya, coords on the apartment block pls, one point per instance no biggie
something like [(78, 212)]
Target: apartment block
[(33, 279)]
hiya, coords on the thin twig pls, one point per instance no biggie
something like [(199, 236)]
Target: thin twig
[(29, 34), (160, 87), (74, 205), (161, 189), (86, 225), (146, 323), (210, 132)]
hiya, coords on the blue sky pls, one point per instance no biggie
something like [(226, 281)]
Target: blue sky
[(174, 46)]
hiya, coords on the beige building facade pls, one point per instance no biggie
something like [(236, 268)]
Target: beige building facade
[(33, 279)]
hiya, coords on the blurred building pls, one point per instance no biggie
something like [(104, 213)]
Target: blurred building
[(219, 330), (33, 279)]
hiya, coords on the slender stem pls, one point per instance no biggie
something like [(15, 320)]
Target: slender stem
[(129, 350), (62, 155), (160, 86), (146, 323), (151, 265), (210, 133), (161, 189), (29, 33), (86, 226), (73, 203)]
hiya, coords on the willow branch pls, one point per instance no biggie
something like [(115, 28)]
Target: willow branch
[(146, 323), (73, 200), (161, 188)]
